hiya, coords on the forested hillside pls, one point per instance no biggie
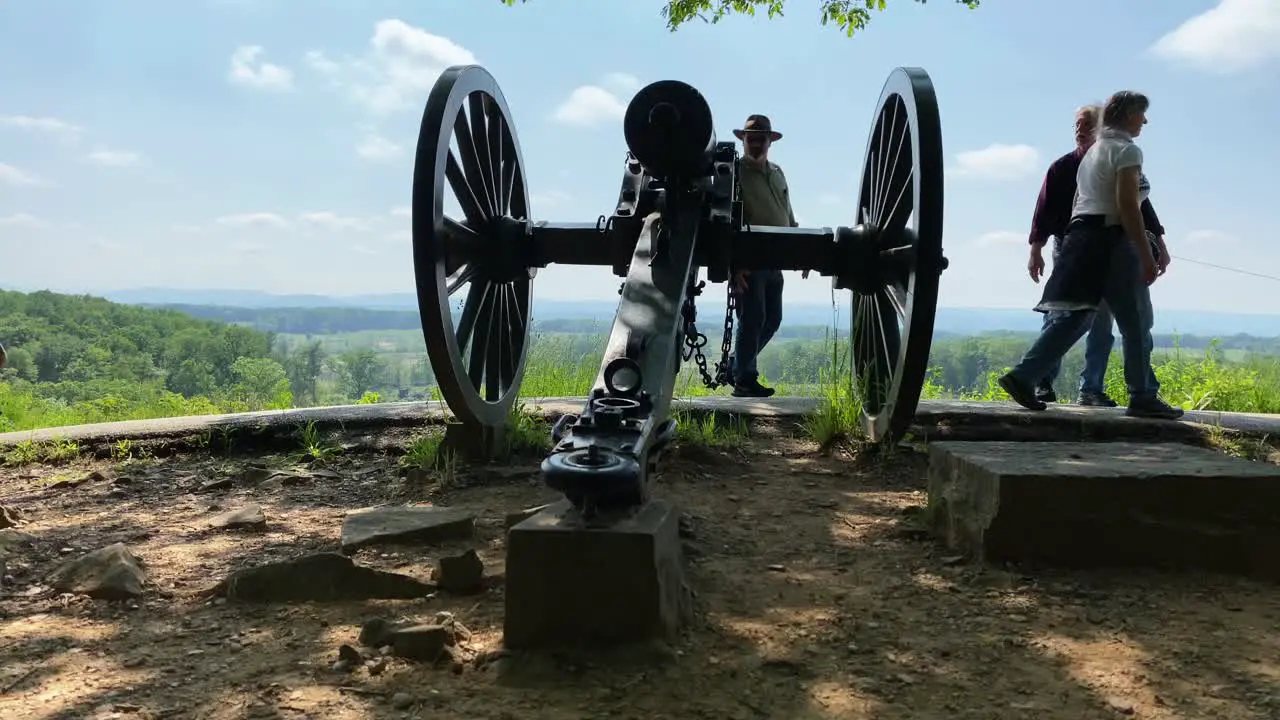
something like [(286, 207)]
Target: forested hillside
[(91, 359), (76, 359)]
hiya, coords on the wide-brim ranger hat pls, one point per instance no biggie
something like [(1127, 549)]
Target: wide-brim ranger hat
[(757, 124)]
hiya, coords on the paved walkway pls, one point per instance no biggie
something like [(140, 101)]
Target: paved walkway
[(936, 418)]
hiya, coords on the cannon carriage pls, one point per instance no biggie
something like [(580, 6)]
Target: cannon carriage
[(678, 211)]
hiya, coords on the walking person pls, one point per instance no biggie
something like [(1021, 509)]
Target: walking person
[(1106, 255), (1052, 214), (766, 200)]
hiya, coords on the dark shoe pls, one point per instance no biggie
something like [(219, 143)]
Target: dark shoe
[(752, 389), (1046, 395), (1153, 408), (1090, 399), (1024, 395)]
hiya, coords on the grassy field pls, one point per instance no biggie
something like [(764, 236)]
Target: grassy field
[(1202, 380)]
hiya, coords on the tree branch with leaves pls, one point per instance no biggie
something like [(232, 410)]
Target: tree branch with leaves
[(851, 16)]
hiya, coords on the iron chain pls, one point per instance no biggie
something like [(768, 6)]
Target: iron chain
[(694, 341)]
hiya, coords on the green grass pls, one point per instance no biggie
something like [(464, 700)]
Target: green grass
[(1205, 380)]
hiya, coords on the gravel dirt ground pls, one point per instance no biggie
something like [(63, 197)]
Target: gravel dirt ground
[(817, 596)]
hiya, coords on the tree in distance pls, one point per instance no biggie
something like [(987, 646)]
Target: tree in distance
[(851, 16)]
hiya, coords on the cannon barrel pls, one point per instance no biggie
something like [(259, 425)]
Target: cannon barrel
[(669, 129)]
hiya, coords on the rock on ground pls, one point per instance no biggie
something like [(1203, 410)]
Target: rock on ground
[(321, 577), (249, 516), (109, 573), (460, 574), (408, 524)]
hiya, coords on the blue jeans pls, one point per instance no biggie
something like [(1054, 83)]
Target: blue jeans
[(1097, 353), (1130, 302), (759, 316)]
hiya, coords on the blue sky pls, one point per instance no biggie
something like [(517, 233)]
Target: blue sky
[(267, 144)]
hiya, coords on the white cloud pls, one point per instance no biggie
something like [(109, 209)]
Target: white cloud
[(590, 105), (830, 199), (254, 219), (13, 175), (53, 126), (115, 158), (250, 70), (397, 71), (1001, 237), (1234, 35), (378, 148), (998, 162), (402, 211), (326, 220), (22, 221)]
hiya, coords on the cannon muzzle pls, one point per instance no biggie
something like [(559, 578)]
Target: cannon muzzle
[(669, 129)]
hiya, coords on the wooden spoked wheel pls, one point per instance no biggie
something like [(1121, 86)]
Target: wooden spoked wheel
[(474, 285), (900, 234)]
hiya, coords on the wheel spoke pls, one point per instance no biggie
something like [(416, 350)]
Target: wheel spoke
[(480, 340), (515, 332), (469, 158), (513, 179), (464, 275), (472, 206), (466, 326), (493, 359), (476, 102), (496, 135)]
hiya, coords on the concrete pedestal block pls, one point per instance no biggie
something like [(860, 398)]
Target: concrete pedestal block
[(1106, 504), (572, 585)]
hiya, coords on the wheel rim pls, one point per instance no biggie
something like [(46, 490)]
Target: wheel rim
[(900, 217), (468, 151)]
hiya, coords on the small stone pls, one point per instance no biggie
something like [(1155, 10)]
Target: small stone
[(421, 642), (348, 659), (215, 485), (1121, 706), (460, 574), (253, 474), (402, 701), (109, 573), (376, 666), (375, 632), (249, 516), (777, 568)]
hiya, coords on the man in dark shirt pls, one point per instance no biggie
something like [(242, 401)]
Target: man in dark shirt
[(1053, 212)]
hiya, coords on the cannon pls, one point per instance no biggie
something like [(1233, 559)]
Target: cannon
[(678, 211)]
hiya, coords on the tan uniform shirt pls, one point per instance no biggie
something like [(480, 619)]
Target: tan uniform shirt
[(766, 199)]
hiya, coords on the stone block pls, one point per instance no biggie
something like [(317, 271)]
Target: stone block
[(1106, 505), (568, 584)]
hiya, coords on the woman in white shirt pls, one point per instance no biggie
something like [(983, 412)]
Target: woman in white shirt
[(1105, 255)]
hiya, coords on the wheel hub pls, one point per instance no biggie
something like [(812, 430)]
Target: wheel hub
[(872, 257)]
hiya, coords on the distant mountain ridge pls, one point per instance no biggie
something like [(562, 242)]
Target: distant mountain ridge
[(950, 320)]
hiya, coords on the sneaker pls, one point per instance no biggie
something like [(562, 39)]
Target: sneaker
[(1024, 395), (1097, 399), (1046, 395), (751, 389), (1153, 408)]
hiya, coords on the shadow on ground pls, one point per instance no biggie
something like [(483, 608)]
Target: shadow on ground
[(818, 597)]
